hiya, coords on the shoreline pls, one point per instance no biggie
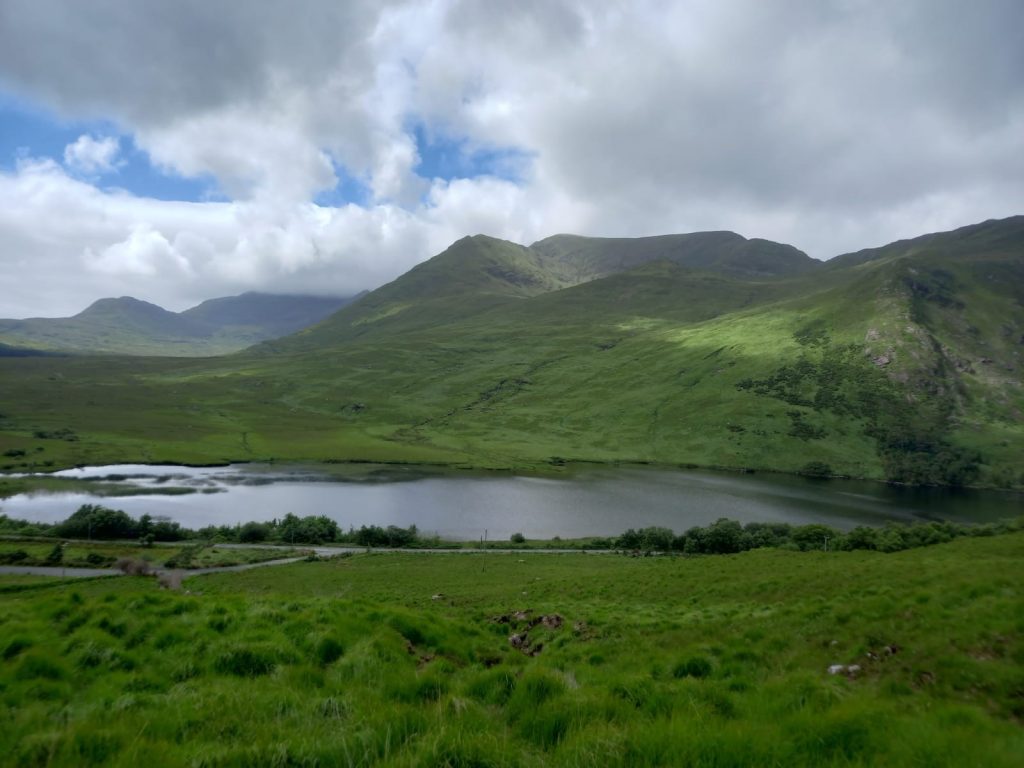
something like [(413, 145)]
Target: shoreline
[(566, 469)]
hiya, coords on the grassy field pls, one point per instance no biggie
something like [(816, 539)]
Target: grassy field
[(408, 659)]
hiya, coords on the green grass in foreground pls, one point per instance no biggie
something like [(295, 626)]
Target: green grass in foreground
[(397, 660)]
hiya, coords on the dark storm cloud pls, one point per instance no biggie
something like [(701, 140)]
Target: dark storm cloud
[(148, 61)]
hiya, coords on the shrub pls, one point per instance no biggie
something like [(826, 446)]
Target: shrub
[(392, 536), (816, 469), (517, 538), (814, 536), (861, 537), (55, 556), (723, 537), (185, 557), (656, 538), (630, 539), (253, 533), (95, 521), (309, 530), (9, 558)]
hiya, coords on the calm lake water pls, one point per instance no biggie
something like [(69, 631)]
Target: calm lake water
[(591, 502)]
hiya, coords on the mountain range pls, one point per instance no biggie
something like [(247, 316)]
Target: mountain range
[(900, 363), (129, 326)]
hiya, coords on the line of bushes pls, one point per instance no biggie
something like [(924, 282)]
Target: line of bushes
[(728, 536), (721, 537), (94, 521)]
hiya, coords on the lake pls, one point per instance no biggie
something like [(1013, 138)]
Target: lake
[(472, 506)]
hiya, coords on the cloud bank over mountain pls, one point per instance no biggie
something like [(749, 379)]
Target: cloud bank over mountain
[(335, 145)]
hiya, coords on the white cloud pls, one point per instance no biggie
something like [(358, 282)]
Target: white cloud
[(144, 252), (176, 253), (831, 125), (93, 156), (252, 153)]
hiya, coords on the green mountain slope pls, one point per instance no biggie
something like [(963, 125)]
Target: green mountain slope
[(902, 366), (482, 275), (583, 258), (473, 275), (130, 326)]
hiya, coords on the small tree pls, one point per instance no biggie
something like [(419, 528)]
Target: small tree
[(630, 539), (813, 536), (656, 539), (96, 521), (723, 537), (252, 533), (56, 556)]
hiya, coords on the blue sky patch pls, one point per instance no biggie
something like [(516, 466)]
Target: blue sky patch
[(447, 157), (348, 190), (27, 131)]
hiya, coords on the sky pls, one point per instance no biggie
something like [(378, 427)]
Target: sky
[(178, 151)]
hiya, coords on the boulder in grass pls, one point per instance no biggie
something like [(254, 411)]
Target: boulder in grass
[(131, 566)]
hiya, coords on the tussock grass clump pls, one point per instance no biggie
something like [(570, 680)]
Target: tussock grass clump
[(246, 662), (35, 666), (98, 655), (495, 686), (328, 650), (695, 666), (15, 646)]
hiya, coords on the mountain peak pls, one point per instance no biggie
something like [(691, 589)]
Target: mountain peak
[(586, 258), (121, 305)]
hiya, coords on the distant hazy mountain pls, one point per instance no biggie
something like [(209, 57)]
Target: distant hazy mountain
[(132, 327)]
